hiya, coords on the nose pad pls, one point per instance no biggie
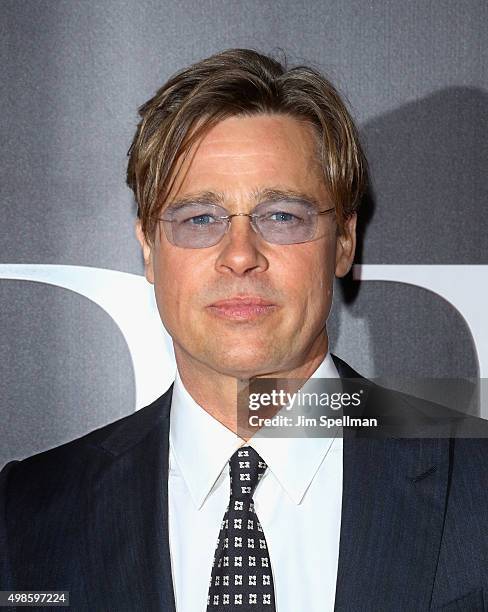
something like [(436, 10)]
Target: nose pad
[(239, 225)]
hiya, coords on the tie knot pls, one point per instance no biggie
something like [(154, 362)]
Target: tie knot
[(246, 470)]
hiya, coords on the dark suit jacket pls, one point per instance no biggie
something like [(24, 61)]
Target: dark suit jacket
[(91, 517)]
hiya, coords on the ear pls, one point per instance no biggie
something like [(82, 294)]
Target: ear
[(346, 246), (147, 253)]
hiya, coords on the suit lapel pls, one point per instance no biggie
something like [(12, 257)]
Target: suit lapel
[(393, 505), (127, 514)]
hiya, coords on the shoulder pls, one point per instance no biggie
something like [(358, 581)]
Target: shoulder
[(406, 415), (72, 459)]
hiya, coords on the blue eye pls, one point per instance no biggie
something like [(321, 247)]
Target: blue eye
[(201, 220), (283, 217)]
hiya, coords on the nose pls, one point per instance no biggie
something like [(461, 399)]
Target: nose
[(241, 249)]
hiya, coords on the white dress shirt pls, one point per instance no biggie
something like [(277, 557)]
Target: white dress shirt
[(298, 502)]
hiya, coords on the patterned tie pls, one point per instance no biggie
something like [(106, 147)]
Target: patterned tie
[(241, 572)]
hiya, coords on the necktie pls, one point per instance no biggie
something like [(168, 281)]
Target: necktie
[(241, 572)]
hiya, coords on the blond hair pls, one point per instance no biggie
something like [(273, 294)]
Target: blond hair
[(241, 82)]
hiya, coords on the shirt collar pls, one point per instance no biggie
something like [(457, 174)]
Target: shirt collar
[(202, 446)]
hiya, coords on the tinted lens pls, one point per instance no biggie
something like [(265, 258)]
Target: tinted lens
[(286, 222), (194, 226)]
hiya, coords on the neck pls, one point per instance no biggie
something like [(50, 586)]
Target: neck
[(217, 392)]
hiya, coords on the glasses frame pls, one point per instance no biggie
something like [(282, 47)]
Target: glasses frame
[(252, 216)]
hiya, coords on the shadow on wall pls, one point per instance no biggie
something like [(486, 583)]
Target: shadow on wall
[(426, 205)]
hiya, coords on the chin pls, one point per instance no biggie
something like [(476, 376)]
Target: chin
[(246, 363)]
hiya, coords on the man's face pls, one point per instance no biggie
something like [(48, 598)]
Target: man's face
[(245, 307)]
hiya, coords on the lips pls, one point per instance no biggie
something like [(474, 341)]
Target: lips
[(243, 308)]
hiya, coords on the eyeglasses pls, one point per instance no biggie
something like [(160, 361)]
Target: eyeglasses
[(197, 225)]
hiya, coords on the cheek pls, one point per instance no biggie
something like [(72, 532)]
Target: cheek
[(319, 295), (169, 282), (309, 276), (179, 280)]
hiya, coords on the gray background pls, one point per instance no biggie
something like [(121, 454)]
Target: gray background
[(72, 77)]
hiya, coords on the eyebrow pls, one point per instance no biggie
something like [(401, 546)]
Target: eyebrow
[(201, 197), (258, 196), (277, 194)]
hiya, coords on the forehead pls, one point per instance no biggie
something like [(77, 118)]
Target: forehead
[(243, 154)]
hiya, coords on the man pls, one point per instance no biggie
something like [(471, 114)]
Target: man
[(248, 178)]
